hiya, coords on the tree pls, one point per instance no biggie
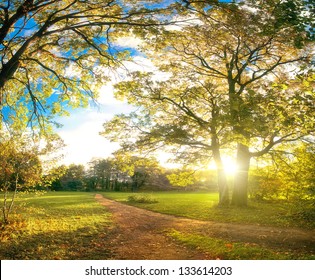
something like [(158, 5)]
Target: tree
[(20, 169), (99, 173), (26, 164), (139, 171), (51, 179), (179, 105), (123, 171), (229, 87), (53, 53), (73, 178)]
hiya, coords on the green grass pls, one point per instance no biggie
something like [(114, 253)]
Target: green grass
[(222, 249), (72, 225), (203, 206), (56, 226)]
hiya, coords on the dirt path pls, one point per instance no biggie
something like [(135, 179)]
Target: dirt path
[(140, 234)]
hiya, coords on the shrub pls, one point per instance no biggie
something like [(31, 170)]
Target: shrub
[(142, 198)]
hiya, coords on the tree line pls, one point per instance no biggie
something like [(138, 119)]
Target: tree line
[(111, 174)]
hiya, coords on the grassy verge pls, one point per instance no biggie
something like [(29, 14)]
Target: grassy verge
[(56, 226), (224, 250), (203, 206)]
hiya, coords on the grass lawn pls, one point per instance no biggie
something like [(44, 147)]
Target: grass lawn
[(203, 206), (219, 248), (72, 225), (56, 225)]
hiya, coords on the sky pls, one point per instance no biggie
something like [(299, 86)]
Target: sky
[(80, 131)]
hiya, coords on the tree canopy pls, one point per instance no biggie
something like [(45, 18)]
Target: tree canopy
[(238, 78), (54, 54)]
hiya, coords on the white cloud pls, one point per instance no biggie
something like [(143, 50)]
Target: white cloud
[(80, 131), (106, 95), (128, 41), (81, 136), (139, 63), (182, 22)]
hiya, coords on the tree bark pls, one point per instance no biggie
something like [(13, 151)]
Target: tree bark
[(222, 180), (223, 188), (239, 196)]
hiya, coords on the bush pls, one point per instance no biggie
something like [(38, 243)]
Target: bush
[(264, 184), (304, 209), (142, 198), (13, 229)]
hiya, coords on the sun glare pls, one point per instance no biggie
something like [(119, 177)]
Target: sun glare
[(164, 160), (229, 167), (228, 163)]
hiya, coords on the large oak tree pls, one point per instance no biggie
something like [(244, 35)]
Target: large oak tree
[(232, 85)]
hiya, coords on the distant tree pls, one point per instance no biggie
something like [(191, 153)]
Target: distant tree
[(73, 178), (192, 179), (91, 177), (101, 171), (52, 179), (181, 178), (141, 171)]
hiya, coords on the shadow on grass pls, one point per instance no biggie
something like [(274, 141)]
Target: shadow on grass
[(80, 244)]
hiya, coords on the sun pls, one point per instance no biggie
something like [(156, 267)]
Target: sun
[(229, 165)]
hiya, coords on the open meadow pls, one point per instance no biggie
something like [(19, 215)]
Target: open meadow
[(73, 225)]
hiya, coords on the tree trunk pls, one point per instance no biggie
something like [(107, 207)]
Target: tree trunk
[(222, 180), (223, 188), (14, 195), (4, 208), (239, 196)]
